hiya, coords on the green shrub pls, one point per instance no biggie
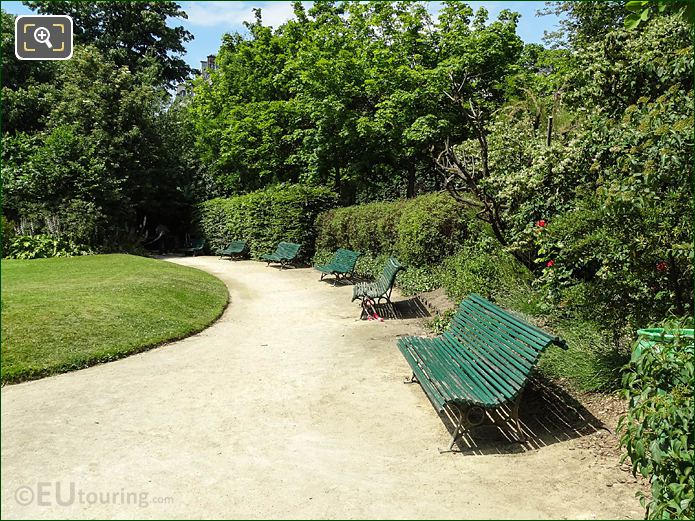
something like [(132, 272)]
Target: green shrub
[(608, 266), (592, 360), (42, 246), (440, 322), (266, 217), (622, 252), (417, 279), (8, 234), (412, 280), (483, 267), (419, 232), (657, 431)]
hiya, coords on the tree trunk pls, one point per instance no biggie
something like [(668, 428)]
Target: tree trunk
[(336, 180)]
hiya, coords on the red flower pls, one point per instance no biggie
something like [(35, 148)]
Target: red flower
[(550, 263), (661, 266), (541, 223)]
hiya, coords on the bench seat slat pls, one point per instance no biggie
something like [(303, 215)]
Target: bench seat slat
[(515, 363), (461, 387), (382, 286), (496, 385), (233, 248), (508, 349), (342, 262), (414, 361), (543, 337), (476, 390), (504, 330), (502, 362), (285, 252), (476, 383), (452, 382)]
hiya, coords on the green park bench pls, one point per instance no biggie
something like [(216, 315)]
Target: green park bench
[(284, 254), (480, 363), (342, 264), (379, 289), (195, 247), (232, 249)]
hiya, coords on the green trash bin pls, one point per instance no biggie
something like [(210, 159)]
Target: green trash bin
[(651, 338)]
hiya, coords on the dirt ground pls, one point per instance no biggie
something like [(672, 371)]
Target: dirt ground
[(291, 407)]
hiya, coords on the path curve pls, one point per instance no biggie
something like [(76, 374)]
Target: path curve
[(286, 407)]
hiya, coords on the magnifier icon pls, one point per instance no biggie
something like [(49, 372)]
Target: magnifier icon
[(42, 35)]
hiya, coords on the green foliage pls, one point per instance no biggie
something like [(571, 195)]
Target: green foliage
[(642, 10), (266, 217), (582, 23), (440, 322), (90, 145), (657, 432), (417, 279), (106, 153), (419, 232), (41, 247), (8, 234), (660, 55), (483, 267), (623, 254), (348, 95), (592, 360), (133, 34)]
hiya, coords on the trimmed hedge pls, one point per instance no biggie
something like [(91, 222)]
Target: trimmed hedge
[(265, 217), (419, 232)]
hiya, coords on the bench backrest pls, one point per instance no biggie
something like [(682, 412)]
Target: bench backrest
[(236, 246), (345, 259), (197, 244), (287, 250), (388, 275), (501, 343)]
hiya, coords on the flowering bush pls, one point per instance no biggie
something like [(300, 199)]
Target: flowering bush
[(623, 254)]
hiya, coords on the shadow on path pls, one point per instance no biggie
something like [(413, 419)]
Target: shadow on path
[(548, 415), (402, 309)]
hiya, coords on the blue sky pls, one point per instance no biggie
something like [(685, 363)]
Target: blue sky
[(208, 21)]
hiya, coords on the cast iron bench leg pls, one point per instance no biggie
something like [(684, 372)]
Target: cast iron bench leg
[(364, 313), (411, 380), (515, 418), (458, 431)]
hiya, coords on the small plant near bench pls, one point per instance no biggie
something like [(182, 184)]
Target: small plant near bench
[(657, 431)]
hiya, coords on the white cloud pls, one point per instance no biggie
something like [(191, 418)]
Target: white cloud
[(215, 14)]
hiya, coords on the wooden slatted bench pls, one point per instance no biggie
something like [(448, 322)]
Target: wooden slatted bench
[(380, 289), (284, 254), (232, 249), (480, 363), (195, 247), (342, 264)]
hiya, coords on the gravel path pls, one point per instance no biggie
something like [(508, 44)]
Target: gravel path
[(288, 406)]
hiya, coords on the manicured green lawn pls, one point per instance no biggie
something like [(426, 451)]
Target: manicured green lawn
[(66, 313)]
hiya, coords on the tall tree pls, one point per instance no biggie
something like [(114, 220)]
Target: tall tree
[(480, 58), (135, 34)]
